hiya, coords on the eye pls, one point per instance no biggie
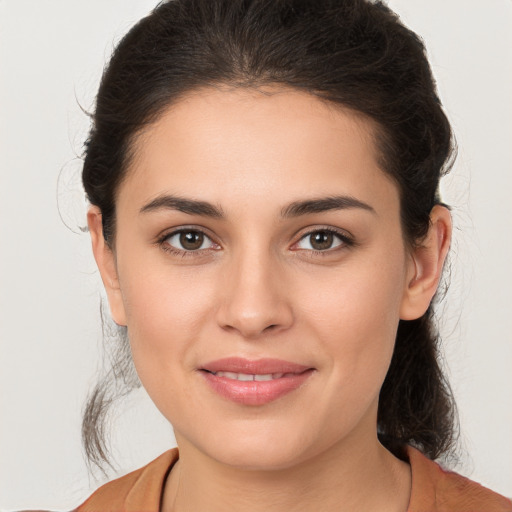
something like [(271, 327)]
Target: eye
[(323, 240), (187, 240)]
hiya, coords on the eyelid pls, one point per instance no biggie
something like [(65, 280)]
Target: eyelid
[(164, 236), (347, 240)]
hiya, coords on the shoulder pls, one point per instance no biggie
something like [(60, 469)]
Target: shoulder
[(435, 489), (139, 490)]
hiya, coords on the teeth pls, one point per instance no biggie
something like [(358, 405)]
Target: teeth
[(244, 376), (229, 375), (268, 376), (249, 376)]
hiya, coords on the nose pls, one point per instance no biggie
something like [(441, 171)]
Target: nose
[(254, 298)]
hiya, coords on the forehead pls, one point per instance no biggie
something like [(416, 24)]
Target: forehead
[(270, 143)]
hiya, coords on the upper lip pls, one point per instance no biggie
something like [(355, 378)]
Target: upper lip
[(253, 367)]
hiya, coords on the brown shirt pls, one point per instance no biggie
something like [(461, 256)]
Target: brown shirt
[(433, 489)]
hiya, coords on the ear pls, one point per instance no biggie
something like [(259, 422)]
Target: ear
[(426, 265), (105, 259)]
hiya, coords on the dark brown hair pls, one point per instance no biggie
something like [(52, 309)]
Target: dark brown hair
[(354, 53)]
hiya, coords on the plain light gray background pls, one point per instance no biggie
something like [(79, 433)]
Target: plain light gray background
[(51, 57)]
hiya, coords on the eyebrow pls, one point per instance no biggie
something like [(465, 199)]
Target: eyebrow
[(190, 206), (323, 204), (294, 209)]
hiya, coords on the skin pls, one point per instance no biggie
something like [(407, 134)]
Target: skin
[(257, 289)]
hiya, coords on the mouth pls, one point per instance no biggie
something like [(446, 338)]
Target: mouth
[(246, 377), (257, 382)]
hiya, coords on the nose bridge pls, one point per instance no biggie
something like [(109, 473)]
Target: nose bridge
[(254, 297)]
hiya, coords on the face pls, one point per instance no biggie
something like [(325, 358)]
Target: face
[(261, 271)]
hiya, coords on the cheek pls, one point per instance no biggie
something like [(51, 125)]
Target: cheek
[(354, 316), (365, 295), (165, 314)]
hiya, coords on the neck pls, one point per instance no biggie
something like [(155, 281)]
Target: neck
[(351, 476)]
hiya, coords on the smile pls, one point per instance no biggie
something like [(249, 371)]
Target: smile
[(249, 376), (254, 382)]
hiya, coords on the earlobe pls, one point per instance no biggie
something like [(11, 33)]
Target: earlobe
[(426, 265), (105, 259)]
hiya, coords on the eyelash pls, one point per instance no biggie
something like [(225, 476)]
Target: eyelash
[(346, 242), (177, 252)]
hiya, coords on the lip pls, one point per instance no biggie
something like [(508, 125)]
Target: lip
[(255, 392), (258, 367)]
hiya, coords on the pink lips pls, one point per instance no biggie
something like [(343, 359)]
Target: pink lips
[(274, 378)]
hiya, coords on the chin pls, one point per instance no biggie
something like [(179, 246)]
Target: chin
[(266, 448), (264, 458)]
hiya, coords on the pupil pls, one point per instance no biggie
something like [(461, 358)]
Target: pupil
[(191, 240), (322, 240)]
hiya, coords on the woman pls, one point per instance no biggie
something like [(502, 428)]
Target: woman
[(264, 213)]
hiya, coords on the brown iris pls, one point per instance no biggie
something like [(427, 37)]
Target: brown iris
[(191, 240), (321, 240)]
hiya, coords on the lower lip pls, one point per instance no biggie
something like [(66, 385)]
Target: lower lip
[(255, 392)]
